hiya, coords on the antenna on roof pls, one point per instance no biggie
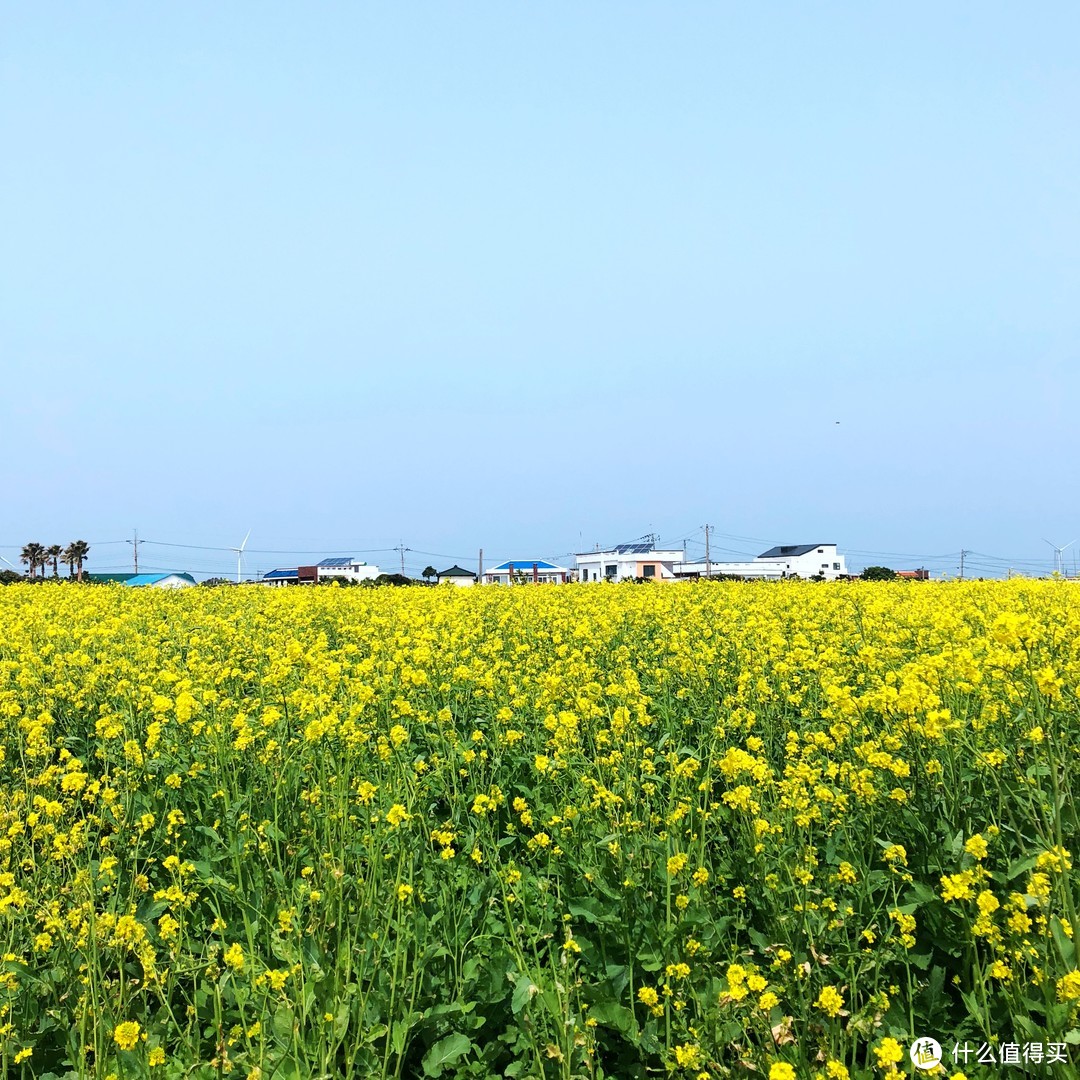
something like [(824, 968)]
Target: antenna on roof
[(240, 555)]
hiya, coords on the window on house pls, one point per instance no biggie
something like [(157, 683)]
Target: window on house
[(584, 575), (610, 570), (836, 566), (649, 571), (821, 551), (824, 566)]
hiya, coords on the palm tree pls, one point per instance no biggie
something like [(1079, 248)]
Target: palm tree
[(75, 555), (53, 552), (33, 554)]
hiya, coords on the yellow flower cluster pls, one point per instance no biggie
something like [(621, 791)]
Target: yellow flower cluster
[(679, 812)]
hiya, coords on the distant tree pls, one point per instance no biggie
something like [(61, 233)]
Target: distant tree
[(9, 577), (53, 552), (878, 573), (212, 581), (33, 554), (75, 554), (392, 579), (429, 572)]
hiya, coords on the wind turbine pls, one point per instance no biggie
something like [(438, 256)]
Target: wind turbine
[(240, 555), (1059, 564)]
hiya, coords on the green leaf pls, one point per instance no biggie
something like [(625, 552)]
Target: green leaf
[(445, 1052), (287, 1070), (282, 1025), (341, 1020), (524, 992), (612, 1014), (586, 909), (1066, 946), (649, 961), (1021, 866)]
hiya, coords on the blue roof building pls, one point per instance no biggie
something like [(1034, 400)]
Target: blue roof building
[(173, 580), (526, 571)]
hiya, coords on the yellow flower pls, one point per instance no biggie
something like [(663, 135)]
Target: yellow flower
[(404, 892), (976, 847), (830, 1001), (888, 1053), (895, 853), (781, 1070), (1068, 986), (687, 1055), (126, 1035), (157, 1056), (957, 886), (234, 956), (647, 996), (845, 874), (396, 815), (676, 863)]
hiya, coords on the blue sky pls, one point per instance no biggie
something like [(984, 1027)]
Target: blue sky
[(532, 277)]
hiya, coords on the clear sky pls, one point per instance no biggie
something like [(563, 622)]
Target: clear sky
[(536, 276)]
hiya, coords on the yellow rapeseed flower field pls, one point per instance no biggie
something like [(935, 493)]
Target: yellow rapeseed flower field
[(717, 829)]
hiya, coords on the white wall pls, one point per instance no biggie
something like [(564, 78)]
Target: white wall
[(822, 560), (352, 572), (459, 582), (626, 563)]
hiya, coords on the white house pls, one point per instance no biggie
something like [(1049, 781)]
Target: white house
[(456, 575), (347, 568), (782, 561), (628, 561), (806, 560), (526, 572)]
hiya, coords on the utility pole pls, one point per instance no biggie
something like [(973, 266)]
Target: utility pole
[(135, 548), (480, 568), (962, 554), (402, 548), (708, 560)]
